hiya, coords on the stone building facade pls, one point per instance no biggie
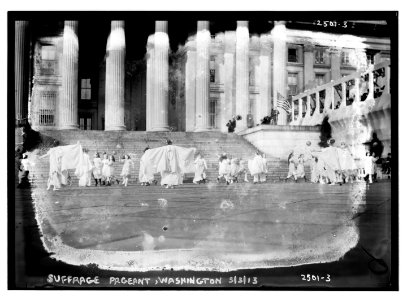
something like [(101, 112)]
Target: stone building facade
[(199, 87)]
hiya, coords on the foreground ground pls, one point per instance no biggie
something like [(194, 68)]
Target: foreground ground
[(217, 228)]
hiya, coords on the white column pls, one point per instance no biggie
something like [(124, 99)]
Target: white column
[(115, 72), (150, 79), (20, 70), (309, 75), (190, 75), (68, 108), (265, 77), (242, 73), (229, 66), (203, 39), (160, 103), (335, 64), (280, 67)]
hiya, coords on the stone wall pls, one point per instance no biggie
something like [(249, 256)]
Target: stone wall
[(277, 141)]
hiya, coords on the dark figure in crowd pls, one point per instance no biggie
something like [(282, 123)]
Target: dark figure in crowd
[(386, 165), (231, 125), (23, 171), (376, 150)]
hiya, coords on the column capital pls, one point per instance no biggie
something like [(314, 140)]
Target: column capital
[(230, 42), (117, 24), (203, 25), (161, 26), (265, 45), (72, 24), (242, 23), (280, 23), (309, 47), (334, 50)]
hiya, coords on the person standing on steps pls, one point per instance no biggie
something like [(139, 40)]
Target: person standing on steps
[(125, 174), (300, 172), (224, 168), (105, 168), (291, 166), (97, 170), (200, 168), (109, 173)]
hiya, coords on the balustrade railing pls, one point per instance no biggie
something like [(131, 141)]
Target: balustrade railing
[(338, 94)]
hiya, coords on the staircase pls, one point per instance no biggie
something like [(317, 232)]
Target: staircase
[(209, 144)]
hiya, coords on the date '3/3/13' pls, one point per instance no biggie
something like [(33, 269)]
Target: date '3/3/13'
[(311, 277)]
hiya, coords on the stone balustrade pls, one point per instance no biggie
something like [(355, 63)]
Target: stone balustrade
[(337, 99)]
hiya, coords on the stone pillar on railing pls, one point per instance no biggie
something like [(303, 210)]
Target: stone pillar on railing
[(387, 74), (343, 103), (299, 108), (317, 104), (331, 93), (308, 113), (357, 90), (292, 111), (371, 85)]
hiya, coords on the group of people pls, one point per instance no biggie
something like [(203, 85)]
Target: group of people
[(232, 169), (332, 165)]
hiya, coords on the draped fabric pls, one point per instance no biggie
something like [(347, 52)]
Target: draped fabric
[(257, 165), (346, 159), (62, 159), (170, 161)]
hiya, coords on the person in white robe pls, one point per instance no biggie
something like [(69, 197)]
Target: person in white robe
[(224, 168), (329, 158), (24, 170), (126, 170), (200, 168), (369, 163), (105, 168), (348, 164), (291, 167), (84, 169), (97, 170), (300, 171), (109, 170), (146, 173), (257, 168)]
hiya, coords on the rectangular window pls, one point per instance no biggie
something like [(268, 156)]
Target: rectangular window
[(212, 113), (292, 81), (48, 52), (85, 123), (81, 123), (345, 58), (88, 124), (292, 55), (212, 70), (320, 79), (319, 56), (86, 89)]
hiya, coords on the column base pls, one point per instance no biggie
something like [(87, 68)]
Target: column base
[(116, 128), (203, 129), (159, 129), (69, 127)]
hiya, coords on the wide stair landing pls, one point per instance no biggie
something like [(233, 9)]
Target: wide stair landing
[(209, 144)]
